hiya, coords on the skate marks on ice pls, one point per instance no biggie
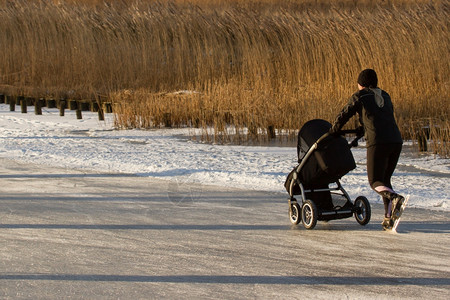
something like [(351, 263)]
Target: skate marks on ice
[(238, 279)]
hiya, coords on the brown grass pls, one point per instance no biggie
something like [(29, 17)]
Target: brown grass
[(248, 65)]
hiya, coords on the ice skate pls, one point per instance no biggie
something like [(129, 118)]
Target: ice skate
[(396, 204), (387, 223), (398, 209)]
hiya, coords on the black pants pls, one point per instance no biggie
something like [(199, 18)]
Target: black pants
[(381, 162)]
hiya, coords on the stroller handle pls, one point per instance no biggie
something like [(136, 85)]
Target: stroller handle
[(359, 134), (358, 131)]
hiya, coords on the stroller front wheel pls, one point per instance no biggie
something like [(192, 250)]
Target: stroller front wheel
[(309, 214), (362, 210), (294, 213)]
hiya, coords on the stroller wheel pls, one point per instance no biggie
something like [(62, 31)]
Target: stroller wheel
[(294, 213), (362, 210), (309, 214)]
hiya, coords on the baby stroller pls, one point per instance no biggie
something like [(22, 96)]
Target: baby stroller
[(323, 160)]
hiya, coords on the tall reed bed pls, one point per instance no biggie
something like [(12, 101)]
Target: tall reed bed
[(250, 68)]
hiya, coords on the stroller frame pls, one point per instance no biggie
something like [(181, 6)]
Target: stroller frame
[(308, 213)]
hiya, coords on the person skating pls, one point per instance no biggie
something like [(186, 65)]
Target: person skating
[(383, 139)]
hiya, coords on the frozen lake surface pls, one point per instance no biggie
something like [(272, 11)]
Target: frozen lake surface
[(75, 234)]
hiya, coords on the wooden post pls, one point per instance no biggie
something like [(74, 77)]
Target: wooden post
[(79, 115), (64, 102), (271, 132), (101, 115), (62, 107), (2, 98), (38, 107), (12, 103), (23, 104)]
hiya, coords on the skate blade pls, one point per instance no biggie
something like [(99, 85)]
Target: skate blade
[(390, 230), (399, 214)]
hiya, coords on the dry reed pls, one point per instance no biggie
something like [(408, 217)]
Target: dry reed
[(249, 67)]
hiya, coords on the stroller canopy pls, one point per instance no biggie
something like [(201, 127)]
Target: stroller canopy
[(330, 161), (310, 132)]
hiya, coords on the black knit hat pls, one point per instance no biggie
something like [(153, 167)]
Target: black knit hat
[(368, 78)]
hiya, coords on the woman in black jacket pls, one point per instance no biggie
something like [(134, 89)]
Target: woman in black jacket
[(383, 139)]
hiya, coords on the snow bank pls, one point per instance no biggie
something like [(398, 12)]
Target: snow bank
[(94, 145)]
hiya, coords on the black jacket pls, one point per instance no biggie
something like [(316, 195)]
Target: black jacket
[(376, 114)]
